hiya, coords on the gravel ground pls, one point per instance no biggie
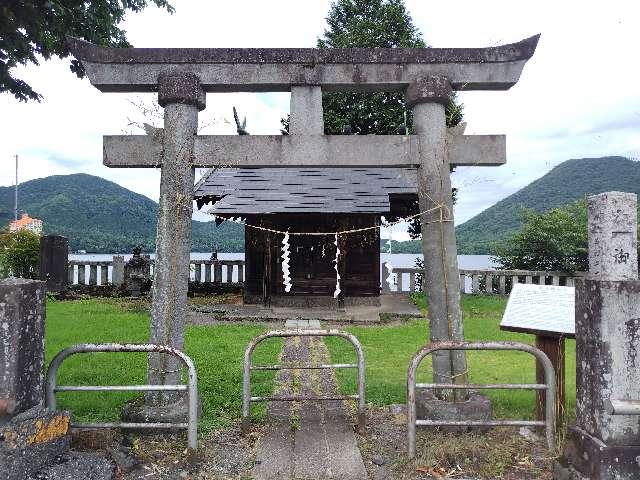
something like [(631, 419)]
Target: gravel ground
[(223, 455), (498, 454)]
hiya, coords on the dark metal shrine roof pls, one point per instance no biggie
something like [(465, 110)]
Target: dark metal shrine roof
[(245, 191)]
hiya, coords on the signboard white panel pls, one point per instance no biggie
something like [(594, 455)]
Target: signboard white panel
[(540, 309)]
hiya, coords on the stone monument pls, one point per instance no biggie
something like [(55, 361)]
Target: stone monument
[(183, 76), (54, 262), (117, 273), (605, 444), (31, 437)]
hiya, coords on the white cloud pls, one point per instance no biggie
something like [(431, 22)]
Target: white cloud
[(578, 96)]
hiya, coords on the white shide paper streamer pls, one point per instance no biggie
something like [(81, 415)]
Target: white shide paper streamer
[(286, 278), (337, 292), (391, 277)]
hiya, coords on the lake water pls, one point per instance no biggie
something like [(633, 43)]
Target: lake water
[(465, 262)]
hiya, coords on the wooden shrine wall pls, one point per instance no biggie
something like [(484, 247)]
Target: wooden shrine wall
[(312, 257)]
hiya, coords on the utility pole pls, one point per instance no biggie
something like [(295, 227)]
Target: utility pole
[(15, 205)]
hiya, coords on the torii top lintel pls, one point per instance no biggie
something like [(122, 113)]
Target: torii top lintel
[(277, 69)]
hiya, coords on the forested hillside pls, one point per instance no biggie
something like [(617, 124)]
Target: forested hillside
[(566, 183), (100, 216)]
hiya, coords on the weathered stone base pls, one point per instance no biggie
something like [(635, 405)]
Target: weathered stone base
[(76, 466), (429, 407), (137, 411), (591, 458), (31, 441), (213, 288), (564, 471), (312, 301)]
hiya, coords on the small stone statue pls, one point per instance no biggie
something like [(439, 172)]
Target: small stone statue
[(137, 273)]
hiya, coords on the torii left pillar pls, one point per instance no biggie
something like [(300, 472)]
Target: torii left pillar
[(182, 97), (427, 98)]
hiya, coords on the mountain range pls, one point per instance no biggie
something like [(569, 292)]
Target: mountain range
[(565, 183), (100, 216)]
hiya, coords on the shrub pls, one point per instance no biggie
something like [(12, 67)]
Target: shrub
[(555, 240), (19, 254)]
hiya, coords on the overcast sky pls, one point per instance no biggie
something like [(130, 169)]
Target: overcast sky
[(579, 96)]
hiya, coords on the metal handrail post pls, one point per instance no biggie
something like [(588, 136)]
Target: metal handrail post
[(550, 388), (191, 387)]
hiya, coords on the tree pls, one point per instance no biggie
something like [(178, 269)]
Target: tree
[(19, 254), (31, 28), (381, 24), (555, 240), (371, 23)]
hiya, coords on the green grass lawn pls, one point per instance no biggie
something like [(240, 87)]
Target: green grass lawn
[(388, 350), (216, 351)]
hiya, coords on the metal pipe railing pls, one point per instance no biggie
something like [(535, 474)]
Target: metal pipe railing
[(549, 386), (622, 407), (246, 384), (191, 387)]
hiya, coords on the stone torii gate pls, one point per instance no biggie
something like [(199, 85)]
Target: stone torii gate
[(182, 76)]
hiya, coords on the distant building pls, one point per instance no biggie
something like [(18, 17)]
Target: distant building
[(26, 223)]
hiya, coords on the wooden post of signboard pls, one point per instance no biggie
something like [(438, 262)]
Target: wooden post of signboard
[(554, 348)]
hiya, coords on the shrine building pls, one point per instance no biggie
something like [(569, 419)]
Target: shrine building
[(310, 200)]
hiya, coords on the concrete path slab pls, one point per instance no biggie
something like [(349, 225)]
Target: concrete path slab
[(275, 462), (302, 324), (317, 440)]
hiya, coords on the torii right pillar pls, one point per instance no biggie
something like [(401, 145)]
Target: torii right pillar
[(605, 442)]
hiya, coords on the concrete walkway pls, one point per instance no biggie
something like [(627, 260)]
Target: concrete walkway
[(308, 440)]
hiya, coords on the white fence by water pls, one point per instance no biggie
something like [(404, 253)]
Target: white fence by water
[(477, 281), (403, 279), (101, 272)]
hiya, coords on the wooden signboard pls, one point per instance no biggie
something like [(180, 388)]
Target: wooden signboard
[(548, 312)]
